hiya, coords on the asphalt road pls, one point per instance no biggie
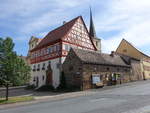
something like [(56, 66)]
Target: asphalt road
[(134, 98)]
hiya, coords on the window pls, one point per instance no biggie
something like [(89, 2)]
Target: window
[(125, 70), (43, 77), (38, 67), (44, 51), (107, 69), (118, 69), (49, 62), (34, 79), (34, 67), (125, 50), (58, 65), (96, 43), (54, 48), (79, 68), (47, 51), (66, 47), (70, 68), (43, 68), (41, 52), (58, 47), (38, 53)]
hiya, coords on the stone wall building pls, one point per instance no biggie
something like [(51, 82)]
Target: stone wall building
[(145, 67), (135, 66), (81, 66), (127, 49)]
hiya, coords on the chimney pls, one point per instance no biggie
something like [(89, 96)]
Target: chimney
[(64, 22), (112, 53)]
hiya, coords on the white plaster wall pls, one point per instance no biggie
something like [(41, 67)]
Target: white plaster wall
[(38, 74), (56, 72), (41, 73), (62, 59)]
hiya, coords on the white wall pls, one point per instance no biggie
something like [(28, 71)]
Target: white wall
[(41, 73)]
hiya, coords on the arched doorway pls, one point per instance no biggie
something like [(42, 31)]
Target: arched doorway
[(49, 76)]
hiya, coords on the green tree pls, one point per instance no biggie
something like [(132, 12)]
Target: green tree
[(13, 70)]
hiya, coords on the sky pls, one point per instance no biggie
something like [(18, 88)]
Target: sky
[(113, 19)]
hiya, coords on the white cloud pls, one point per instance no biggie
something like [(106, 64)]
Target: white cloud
[(131, 18), (36, 16)]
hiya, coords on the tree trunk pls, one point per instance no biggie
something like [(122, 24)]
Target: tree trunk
[(7, 91)]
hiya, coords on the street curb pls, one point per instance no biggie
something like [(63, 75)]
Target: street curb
[(65, 96), (47, 99), (13, 88)]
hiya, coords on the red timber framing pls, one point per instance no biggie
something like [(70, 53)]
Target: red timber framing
[(76, 36), (79, 36), (47, 53)]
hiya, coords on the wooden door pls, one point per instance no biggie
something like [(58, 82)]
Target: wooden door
[(49, 76)]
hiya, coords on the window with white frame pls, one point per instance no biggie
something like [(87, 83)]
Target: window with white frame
[(54, 48)]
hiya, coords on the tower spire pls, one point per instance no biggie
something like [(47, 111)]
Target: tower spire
[(92, 28)]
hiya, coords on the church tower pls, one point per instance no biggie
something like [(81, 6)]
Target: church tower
[(92, 33)]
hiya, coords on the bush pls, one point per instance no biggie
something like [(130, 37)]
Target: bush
[(73, 88), (46, 88), (30, 87), (69, 88)]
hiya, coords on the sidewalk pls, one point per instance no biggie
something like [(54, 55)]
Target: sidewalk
[(121, 85), (11, 88), (38, 99), (56, 97)]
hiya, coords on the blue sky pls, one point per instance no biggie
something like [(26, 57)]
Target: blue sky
[(113, 19)]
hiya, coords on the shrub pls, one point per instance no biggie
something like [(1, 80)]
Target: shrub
[(46, 88), (30, 87)]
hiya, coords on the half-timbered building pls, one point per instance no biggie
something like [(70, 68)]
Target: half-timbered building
[(47, 57)]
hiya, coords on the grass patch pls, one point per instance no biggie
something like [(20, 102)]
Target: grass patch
[(16, 99)]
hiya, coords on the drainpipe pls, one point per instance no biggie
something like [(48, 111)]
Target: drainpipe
[(60, 65)]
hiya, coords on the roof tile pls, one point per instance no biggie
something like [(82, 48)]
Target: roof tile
[(56, 34), (99, 58)]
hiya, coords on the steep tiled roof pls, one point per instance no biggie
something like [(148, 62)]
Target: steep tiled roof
[(56, 34), (126, 58), (99, 58)]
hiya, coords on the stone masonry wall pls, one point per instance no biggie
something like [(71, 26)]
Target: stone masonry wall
[(72, 68)]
